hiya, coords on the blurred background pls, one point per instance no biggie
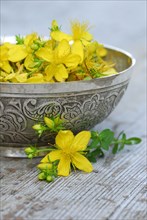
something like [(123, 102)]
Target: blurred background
[(117, 23)]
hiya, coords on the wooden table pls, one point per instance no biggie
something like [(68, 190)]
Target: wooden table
[(114, 190)]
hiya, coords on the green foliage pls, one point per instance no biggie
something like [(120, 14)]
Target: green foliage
[(19, 39), (102, 141)]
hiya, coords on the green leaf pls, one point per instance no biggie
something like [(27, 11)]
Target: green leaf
[(94, 154), (121, 146), (133, 140), (92, 159), (94, 143), (115, 149), (94, 134), (106, 138), (19, 39)]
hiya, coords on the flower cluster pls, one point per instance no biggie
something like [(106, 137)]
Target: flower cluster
[(62, 57), (73, 151)]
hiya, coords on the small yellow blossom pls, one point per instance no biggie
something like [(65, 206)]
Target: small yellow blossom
[(80, 37), (69, 151), (29, 40), (63, 57), (56, 34), (58, 58), (79, 33)]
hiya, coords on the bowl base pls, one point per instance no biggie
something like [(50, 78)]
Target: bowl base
[(17, 152)]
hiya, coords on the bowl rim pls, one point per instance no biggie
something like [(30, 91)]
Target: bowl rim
[(107, 46)]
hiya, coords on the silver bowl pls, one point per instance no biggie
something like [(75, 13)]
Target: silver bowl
[(82, 104)]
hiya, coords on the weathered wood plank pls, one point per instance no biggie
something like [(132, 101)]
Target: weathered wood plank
[(107, 192)]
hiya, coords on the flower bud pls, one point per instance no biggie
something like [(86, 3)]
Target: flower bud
[(44, 166), (37, 127), (49, 122), (41, 176), (34, 47), (49, 179), (29, 150), (30, 156)]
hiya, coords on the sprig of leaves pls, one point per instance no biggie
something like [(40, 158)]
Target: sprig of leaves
[(100, 143), (103, 141), (19, 39)]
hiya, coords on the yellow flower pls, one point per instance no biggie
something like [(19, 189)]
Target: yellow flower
[(79, 33), (57, 34), (69, 152), (58, 58), (29, 40), (80, 37)]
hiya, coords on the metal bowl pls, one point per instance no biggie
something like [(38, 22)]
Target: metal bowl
[(82, 104)]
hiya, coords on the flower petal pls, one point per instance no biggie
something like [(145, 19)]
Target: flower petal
[(82, 163), (5, 66), (17, 53), (61, 73), (49, 70), (21, 77), (64, 139), (77, 48), (29, 62), (81, 141), (54, 155), (59, 36), (30, 38), (45, 54), (38, 78), (64, 165), (87, 36), (72, 60), (45, 159), (63, 49)]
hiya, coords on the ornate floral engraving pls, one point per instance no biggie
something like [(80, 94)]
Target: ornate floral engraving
[(79, 111)]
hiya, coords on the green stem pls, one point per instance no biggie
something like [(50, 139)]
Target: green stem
[(45, 149), (118, 142)]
